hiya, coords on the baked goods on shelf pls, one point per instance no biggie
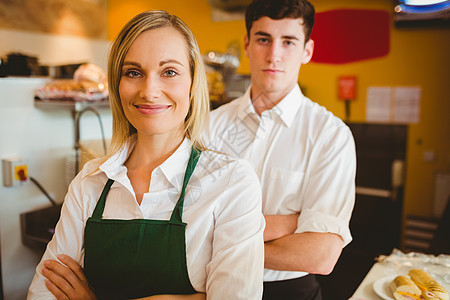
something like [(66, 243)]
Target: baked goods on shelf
[(89, 84)]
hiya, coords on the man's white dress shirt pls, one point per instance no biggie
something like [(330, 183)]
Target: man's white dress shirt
[(222, 209), (304, 157)]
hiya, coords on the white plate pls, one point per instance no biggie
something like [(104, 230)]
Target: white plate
[(381, 288)]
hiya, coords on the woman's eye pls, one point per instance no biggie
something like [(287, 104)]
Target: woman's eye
[(132, 73), (170, 73)]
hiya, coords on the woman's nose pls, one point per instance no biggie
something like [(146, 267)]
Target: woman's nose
[(151, 88)]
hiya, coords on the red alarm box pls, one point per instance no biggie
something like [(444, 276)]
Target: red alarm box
[(347, 87)]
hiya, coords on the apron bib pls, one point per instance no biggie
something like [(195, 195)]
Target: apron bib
[(136, 258)]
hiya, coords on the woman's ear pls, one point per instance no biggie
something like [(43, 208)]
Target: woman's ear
[(308, 52)]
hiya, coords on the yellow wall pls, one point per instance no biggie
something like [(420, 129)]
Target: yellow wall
[(196, 13), (418, 57)]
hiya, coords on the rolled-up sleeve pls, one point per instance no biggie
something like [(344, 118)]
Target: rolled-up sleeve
[(329, 193)]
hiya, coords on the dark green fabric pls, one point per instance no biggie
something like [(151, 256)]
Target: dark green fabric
[(136, 258)]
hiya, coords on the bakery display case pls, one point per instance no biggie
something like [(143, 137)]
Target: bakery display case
[(87, 91)]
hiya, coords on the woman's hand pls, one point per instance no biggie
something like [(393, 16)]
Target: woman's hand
[(66, 279)]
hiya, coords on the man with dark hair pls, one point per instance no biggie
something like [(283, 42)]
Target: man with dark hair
[(303, 154)]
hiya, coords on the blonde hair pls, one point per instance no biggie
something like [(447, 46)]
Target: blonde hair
[(198, 114)]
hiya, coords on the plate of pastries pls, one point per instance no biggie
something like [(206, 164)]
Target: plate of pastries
[(417, 285)]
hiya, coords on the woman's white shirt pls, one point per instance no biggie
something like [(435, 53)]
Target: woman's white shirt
[(222, 209)]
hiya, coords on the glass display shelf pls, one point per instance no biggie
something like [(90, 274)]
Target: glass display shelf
[(76, 106)]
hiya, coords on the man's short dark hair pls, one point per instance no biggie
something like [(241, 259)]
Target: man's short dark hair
[(280, 9)]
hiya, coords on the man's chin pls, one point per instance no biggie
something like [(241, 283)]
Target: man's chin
[(275, 87)]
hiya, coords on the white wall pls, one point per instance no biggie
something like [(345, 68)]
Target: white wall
[(44, 139), (54, 50)]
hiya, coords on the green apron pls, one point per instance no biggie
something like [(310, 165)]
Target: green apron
[(136, 258)]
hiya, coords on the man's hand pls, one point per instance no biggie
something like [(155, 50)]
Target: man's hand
[(66, 279), (278, 226)]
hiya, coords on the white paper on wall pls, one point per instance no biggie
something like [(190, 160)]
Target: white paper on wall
[(378, 107), (407, 104), (393, 104)]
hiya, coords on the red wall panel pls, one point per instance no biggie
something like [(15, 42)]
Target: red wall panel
[(349, 35)]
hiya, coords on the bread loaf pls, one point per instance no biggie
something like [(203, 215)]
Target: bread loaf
[(431, 289), (404, 289)]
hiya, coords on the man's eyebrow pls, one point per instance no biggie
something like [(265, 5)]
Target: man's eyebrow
[(262, 33), (287, 37), (290, 37)]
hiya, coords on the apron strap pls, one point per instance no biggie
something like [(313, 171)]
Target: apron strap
[(98, 211), (177, 212)]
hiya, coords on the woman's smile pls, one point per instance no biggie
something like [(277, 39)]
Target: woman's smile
[(152, 109)]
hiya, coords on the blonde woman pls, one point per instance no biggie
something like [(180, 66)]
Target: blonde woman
[(161, 216)]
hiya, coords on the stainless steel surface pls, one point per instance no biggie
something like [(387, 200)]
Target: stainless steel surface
[(367, 191)]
